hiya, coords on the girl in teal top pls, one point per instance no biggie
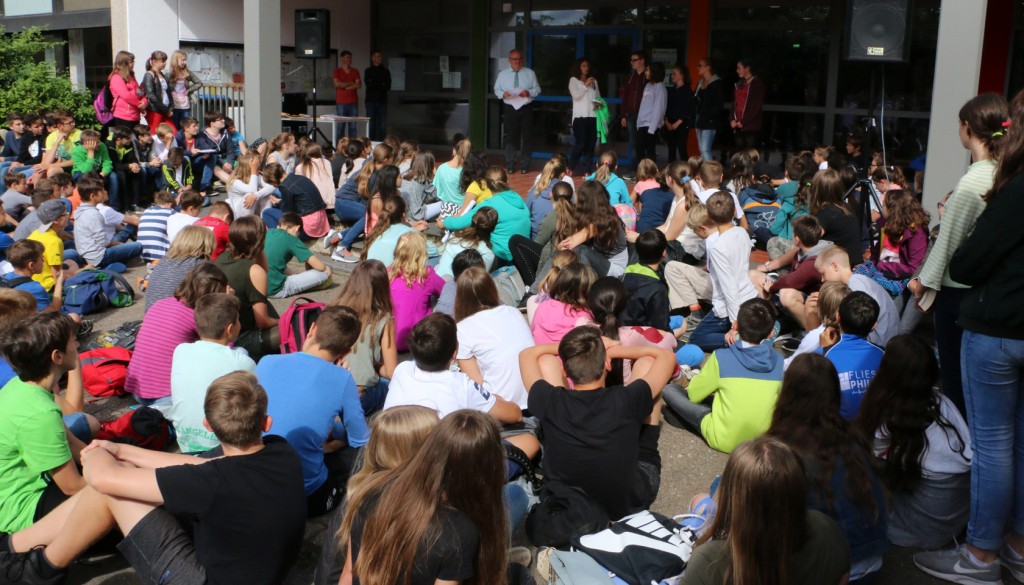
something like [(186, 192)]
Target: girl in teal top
[(448, 177), (618, 193)]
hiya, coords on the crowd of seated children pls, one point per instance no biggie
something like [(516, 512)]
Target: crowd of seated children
[(282, 244), (194, 366), (237, 515), (840, 480), (923, 444), (601, 439), (854, 357), (789, 543), (100, 239), (219, 222), (190, 204), (413, 284), (728, 265), (169, 323), (791, 289), (245, 265), (315, 404), (835, 268), (374, 355), (731, 400), (192, 247), (490, 336)]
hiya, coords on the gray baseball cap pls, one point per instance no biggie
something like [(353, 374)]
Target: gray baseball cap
[(49, 212)]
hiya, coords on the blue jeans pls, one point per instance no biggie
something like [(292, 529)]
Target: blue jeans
[(378, 114), (78, 424), (374, 396), (993, 379), (125, 251), (517, 504), (705, 140), (177, 115), (350, 211), (634, 146), (349, 111), (709, 334)]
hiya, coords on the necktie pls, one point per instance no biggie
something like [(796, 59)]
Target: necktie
[(516, 83)]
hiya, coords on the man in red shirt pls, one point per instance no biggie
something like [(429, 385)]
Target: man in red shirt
[(748, 102), (347, 83), (631, 93)]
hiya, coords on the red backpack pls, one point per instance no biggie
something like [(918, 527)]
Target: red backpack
[(143, 427), (295, 323), (104, 370)]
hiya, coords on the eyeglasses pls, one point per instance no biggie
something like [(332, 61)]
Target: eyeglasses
[(634, 59), (515, 58)]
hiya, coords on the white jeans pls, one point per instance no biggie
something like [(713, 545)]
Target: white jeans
[(296, 283)]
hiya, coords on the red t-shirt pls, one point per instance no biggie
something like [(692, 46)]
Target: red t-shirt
[(346, 96), (220, 233)]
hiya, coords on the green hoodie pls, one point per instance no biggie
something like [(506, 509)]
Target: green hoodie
[(100, 162), (513, 218)]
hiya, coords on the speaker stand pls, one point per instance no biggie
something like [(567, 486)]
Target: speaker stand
[(315, 131)]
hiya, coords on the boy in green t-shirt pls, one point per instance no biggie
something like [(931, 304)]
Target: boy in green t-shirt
[(37, 466), (281, 246)]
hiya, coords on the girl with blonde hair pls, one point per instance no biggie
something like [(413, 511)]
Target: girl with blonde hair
[(184, 84), (248, 194), (413, 283), (350, 203), (193, 245)]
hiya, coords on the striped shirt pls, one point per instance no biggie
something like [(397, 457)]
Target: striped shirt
[(153, 232), (168, 324)]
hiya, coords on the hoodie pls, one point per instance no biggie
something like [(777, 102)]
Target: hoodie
[(648, 304), (417, 195), (540, 206), (745, 380), (513, 219), (802, 275)]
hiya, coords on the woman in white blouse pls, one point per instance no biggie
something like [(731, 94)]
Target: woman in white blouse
[(585, 93)]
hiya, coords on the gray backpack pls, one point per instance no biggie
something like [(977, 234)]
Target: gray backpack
[(511, 287)]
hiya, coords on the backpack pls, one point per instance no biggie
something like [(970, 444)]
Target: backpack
[(296, 321), (104, 104), (15, 282), (123, 336), (104, 370), (564, 513), (761, 206), (560, 567), (511, 287), (641, 548), (143, 427), (94, 289)]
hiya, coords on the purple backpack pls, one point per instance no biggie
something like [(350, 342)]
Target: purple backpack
[(104, 104)]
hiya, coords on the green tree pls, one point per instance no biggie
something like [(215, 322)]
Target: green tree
[(28, 84)]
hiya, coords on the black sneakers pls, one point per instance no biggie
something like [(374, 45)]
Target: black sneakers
[(30, 568)]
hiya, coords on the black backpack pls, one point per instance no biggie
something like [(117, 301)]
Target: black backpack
[(564, 512)]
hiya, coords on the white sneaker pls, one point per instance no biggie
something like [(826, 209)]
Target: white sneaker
[(328, 239), (342, 255)]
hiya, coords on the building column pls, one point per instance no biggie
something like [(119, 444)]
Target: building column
[(957, 71), (132, 29), (262, 37)]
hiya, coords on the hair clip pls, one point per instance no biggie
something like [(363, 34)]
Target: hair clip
[(1007, 124), (997, 134), (686, 180)]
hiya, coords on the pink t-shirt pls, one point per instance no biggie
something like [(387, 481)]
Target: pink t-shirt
[(645, 185), (168, 323), (412, 303), (553, 319)]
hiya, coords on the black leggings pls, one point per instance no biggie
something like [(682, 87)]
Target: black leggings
[(525, 256)]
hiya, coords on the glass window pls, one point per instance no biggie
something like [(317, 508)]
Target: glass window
[(428, 120), (501, 44), (27, 7), (667, 47), (509, 12), (75, 5), (667, 12), (421, 14), (552, 55), (609, 60), (774, 11), (568, 13), (793, 64), (905, 138), (422, 54)]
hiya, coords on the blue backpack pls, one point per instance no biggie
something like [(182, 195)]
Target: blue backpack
[(92, 290)]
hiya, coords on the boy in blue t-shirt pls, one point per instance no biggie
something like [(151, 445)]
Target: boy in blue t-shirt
[(26, 257), (855, 358), (306, 391)]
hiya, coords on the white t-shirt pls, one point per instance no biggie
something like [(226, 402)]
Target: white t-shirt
[(888, 324), (193, 367), (706, 194), (178, 222), (112, 219), (940, 457), (495, 337), (445, 391), (809, 344)]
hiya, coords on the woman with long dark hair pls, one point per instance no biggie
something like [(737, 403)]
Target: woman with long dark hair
[(991, 261), (837, 219), (158, 92), (710, 96), (840, 481), (600, 239), (763, 533), (585, 93), (427, 521), (924, 444)]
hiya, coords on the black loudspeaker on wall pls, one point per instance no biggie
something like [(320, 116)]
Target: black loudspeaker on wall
[(312, 33), (878, 30)]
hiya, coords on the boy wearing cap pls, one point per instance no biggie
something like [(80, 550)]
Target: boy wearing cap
[(53, 217)]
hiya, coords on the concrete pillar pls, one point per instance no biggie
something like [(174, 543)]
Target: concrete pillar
[(76, 58), (262, 22), (957, 71), (143, 26)]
